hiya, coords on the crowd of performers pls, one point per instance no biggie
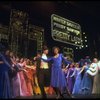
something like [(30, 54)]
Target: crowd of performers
[(47, 75)]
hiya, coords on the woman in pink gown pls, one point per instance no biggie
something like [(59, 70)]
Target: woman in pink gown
[(23, 86)]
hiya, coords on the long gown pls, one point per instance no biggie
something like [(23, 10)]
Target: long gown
[(57, 75), (96, 81), (5, 89), (29, 79), (16, 82), (19, 87), (22, 81), (11, 73), (70, 80), (77, 84), (86, 84)]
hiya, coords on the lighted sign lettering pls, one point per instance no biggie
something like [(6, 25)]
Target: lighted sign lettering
[(66, 31)]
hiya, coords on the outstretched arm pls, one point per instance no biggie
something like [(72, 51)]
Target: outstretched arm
[(67, 66), (65, 61), (47, 60), (30, 67), (93, 70), (81, 70), (73, 73), (68, 73)]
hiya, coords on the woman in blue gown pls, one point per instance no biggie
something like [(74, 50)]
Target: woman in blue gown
[(5, 89), (77, 80), (70, 80), (58, 80), (87, 82)]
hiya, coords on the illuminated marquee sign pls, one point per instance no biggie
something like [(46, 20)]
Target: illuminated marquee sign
[(65, 31)]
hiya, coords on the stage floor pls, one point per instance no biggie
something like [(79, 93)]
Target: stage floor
[(54, 96)]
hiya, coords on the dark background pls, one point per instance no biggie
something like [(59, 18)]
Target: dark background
[(85, 13)]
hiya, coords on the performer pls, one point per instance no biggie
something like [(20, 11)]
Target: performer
[(43, 73), (70, 80), (93, 69), (58, 80), (29, 76), (13, 73), (5, 89), (96, 81), (22, 81), (16, 80), (86, 84), (37, 62), (77, 76)]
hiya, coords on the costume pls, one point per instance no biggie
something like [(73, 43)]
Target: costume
[(5, 88), (70, 80), (78, 80), (57, 75), (96, 81), (87, 83)]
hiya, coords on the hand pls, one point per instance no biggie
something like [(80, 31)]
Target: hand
[(1, 62), (13, 65), (63, 70), (38, 56), (25, 70), (12, 69), (35, 58), (67, 66)]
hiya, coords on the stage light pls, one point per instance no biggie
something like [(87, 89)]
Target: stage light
[(76, 47), (85, 37), (75, 42), (79, 47), (78, 42), (83, 32), (85, 40), (82, 46), (86, 45)]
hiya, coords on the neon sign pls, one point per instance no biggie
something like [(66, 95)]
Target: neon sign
[(65, 31)]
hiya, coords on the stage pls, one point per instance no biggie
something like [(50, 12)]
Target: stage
[(54, 97)]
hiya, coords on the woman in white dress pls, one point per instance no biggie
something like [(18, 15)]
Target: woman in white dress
[(96, 84), (94, 71)]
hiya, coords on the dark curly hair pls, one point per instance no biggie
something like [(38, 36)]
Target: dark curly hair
[(45, 48)]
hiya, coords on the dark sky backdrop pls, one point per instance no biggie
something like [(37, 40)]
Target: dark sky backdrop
[(84, 12)]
